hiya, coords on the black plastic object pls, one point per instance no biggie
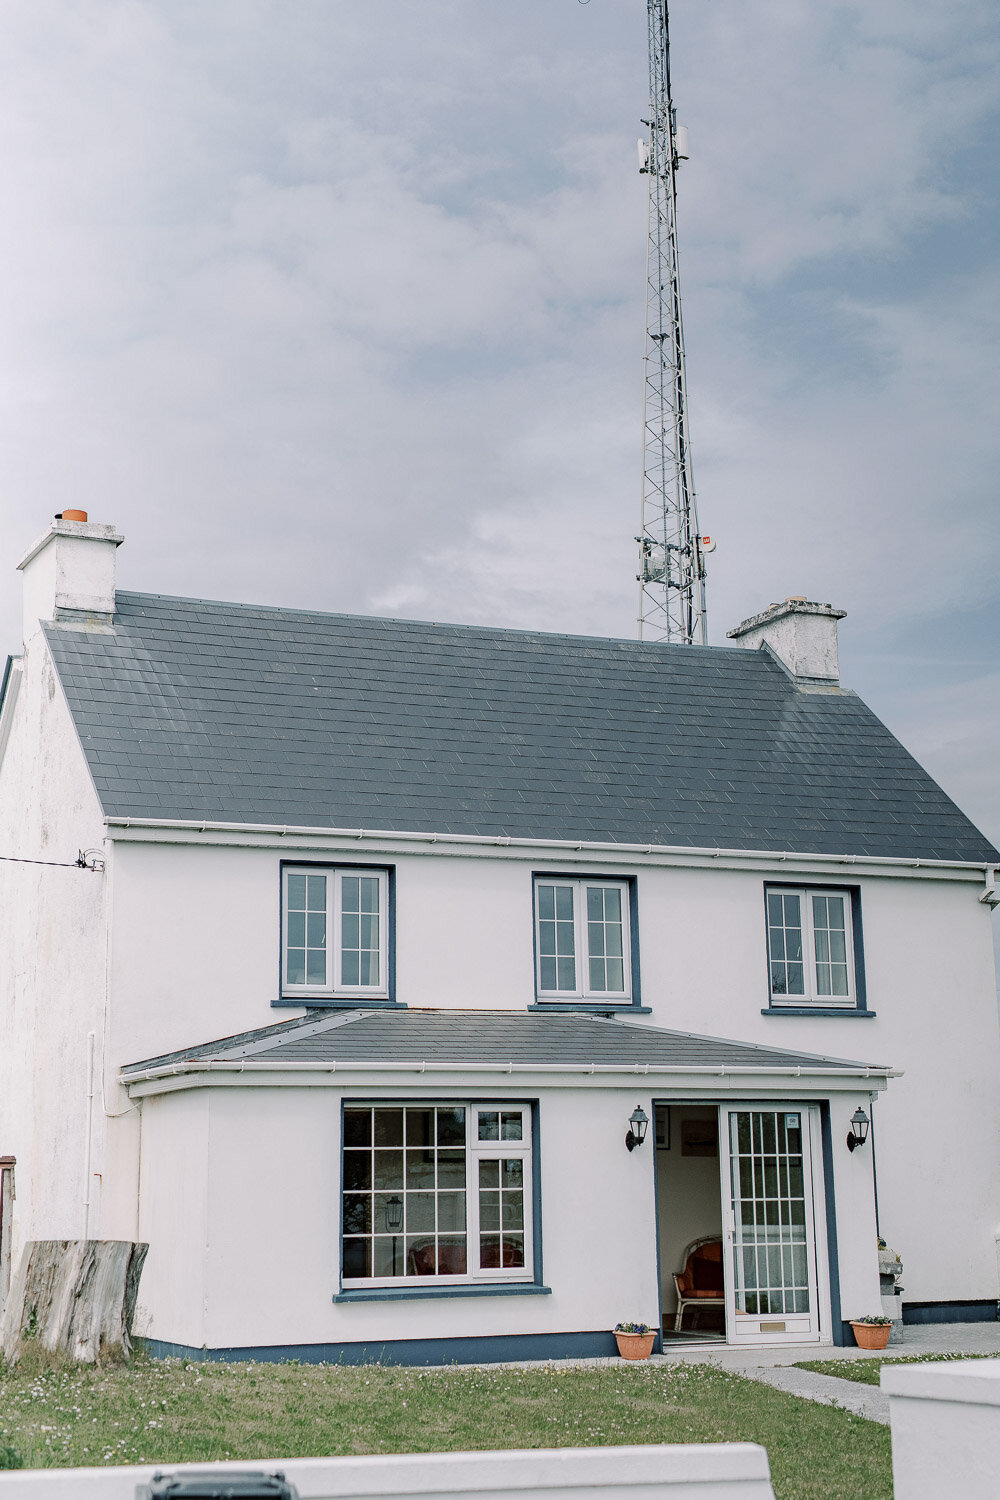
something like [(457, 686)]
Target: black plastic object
[(242, 1484)]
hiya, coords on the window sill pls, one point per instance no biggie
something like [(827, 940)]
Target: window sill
[(337, 1002), (820, 1010), (593, 1007), (469, 1289)]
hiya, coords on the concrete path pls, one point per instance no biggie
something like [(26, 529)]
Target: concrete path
[(775, 1366)]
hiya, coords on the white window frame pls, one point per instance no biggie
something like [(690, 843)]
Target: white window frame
[(475, 1152), (811, 998), (335, 988), (579, 886)]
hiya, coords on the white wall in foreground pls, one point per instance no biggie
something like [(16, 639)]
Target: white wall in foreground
[(945, 1422), (681, 1471)]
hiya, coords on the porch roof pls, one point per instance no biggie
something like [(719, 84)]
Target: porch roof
[(492, 1041)]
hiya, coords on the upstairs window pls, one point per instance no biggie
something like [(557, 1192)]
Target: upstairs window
[(582, 949), (334, 940), (810, 947), (437, 1191)]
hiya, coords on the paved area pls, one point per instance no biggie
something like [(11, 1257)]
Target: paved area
[(775, 1366)]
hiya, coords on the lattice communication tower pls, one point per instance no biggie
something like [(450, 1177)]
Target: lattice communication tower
[(671, 548)]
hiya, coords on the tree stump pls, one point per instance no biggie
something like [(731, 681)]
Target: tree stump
[(74, 1297)]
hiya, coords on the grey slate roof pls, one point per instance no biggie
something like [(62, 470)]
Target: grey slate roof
[(195, 710), (479, 1036)]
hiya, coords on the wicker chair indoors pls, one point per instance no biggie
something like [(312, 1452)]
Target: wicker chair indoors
[(701, 1283)]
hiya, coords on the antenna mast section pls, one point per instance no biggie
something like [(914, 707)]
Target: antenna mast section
[(671, 550)]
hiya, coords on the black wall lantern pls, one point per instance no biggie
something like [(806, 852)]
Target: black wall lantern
[(858, 1133), (638, 1124)]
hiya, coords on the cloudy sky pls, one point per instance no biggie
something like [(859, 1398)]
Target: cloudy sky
[(339, 303)]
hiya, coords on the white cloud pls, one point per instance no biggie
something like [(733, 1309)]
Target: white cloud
[(341, 305)]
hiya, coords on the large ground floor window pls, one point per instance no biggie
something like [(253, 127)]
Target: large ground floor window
[(437, 1190)]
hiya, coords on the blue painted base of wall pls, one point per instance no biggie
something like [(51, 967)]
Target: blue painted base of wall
[(987, 1311), (497, 1349)]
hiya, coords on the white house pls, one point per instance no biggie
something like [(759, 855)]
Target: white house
[(385, 934)]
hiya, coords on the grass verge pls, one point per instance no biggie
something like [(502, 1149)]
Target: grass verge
[(172, 1411), (867, 1371)]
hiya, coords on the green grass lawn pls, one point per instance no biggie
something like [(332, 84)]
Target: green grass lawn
[(866, 1371), (169, 1411)]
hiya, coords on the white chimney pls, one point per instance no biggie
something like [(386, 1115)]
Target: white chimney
[(803, 636), (69, 574)]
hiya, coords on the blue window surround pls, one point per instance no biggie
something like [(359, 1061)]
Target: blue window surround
[(593, 1007), (412, 1292), (334, 1002), (859, 1010)]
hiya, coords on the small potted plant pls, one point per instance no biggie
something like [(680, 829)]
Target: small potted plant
[(635, 1340), (872, 1332)]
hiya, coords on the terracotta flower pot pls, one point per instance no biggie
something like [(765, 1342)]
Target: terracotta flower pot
[(872, 1335), (635, 1345)]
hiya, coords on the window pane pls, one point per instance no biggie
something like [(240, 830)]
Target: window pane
[(296, 929), (420, 1127), (830, 941), (420, 1169), (489, 1210), (357, 1127), (511, 1125), (419, 1212), (295, 966), (388, 1258), (451, 1211), (357, 1213), (350, 968), (305, 930), (369, 893), (388, 1127), (489, 1125), (784, 937), (489, 1174), (452, 1258), (547, 973), (388, 1177), (513, 1251), (565, 974), (451, 1168), (357, 1171), (605, 940), (357, 1258), (451, 1127), (421, 1256), (564, 903), (513, 1173), (546, 903)]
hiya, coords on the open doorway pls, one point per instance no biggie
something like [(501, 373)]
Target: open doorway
[(689, 1222), (737, 1188)]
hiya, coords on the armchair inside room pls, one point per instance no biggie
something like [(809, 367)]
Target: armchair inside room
[(700, 1283)]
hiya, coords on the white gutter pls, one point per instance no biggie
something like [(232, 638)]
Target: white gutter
[(258, 832), (220, 1065)]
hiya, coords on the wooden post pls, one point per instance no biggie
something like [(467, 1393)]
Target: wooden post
[(75, 1297)]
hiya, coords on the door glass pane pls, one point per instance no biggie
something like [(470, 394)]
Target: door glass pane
[(767, 1176)]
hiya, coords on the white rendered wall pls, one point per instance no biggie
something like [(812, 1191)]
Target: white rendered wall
[(678, 1471), (240, 1194), (196, 954), (52, 964)]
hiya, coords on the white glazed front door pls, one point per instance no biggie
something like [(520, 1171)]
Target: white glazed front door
[(770, 1165)]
